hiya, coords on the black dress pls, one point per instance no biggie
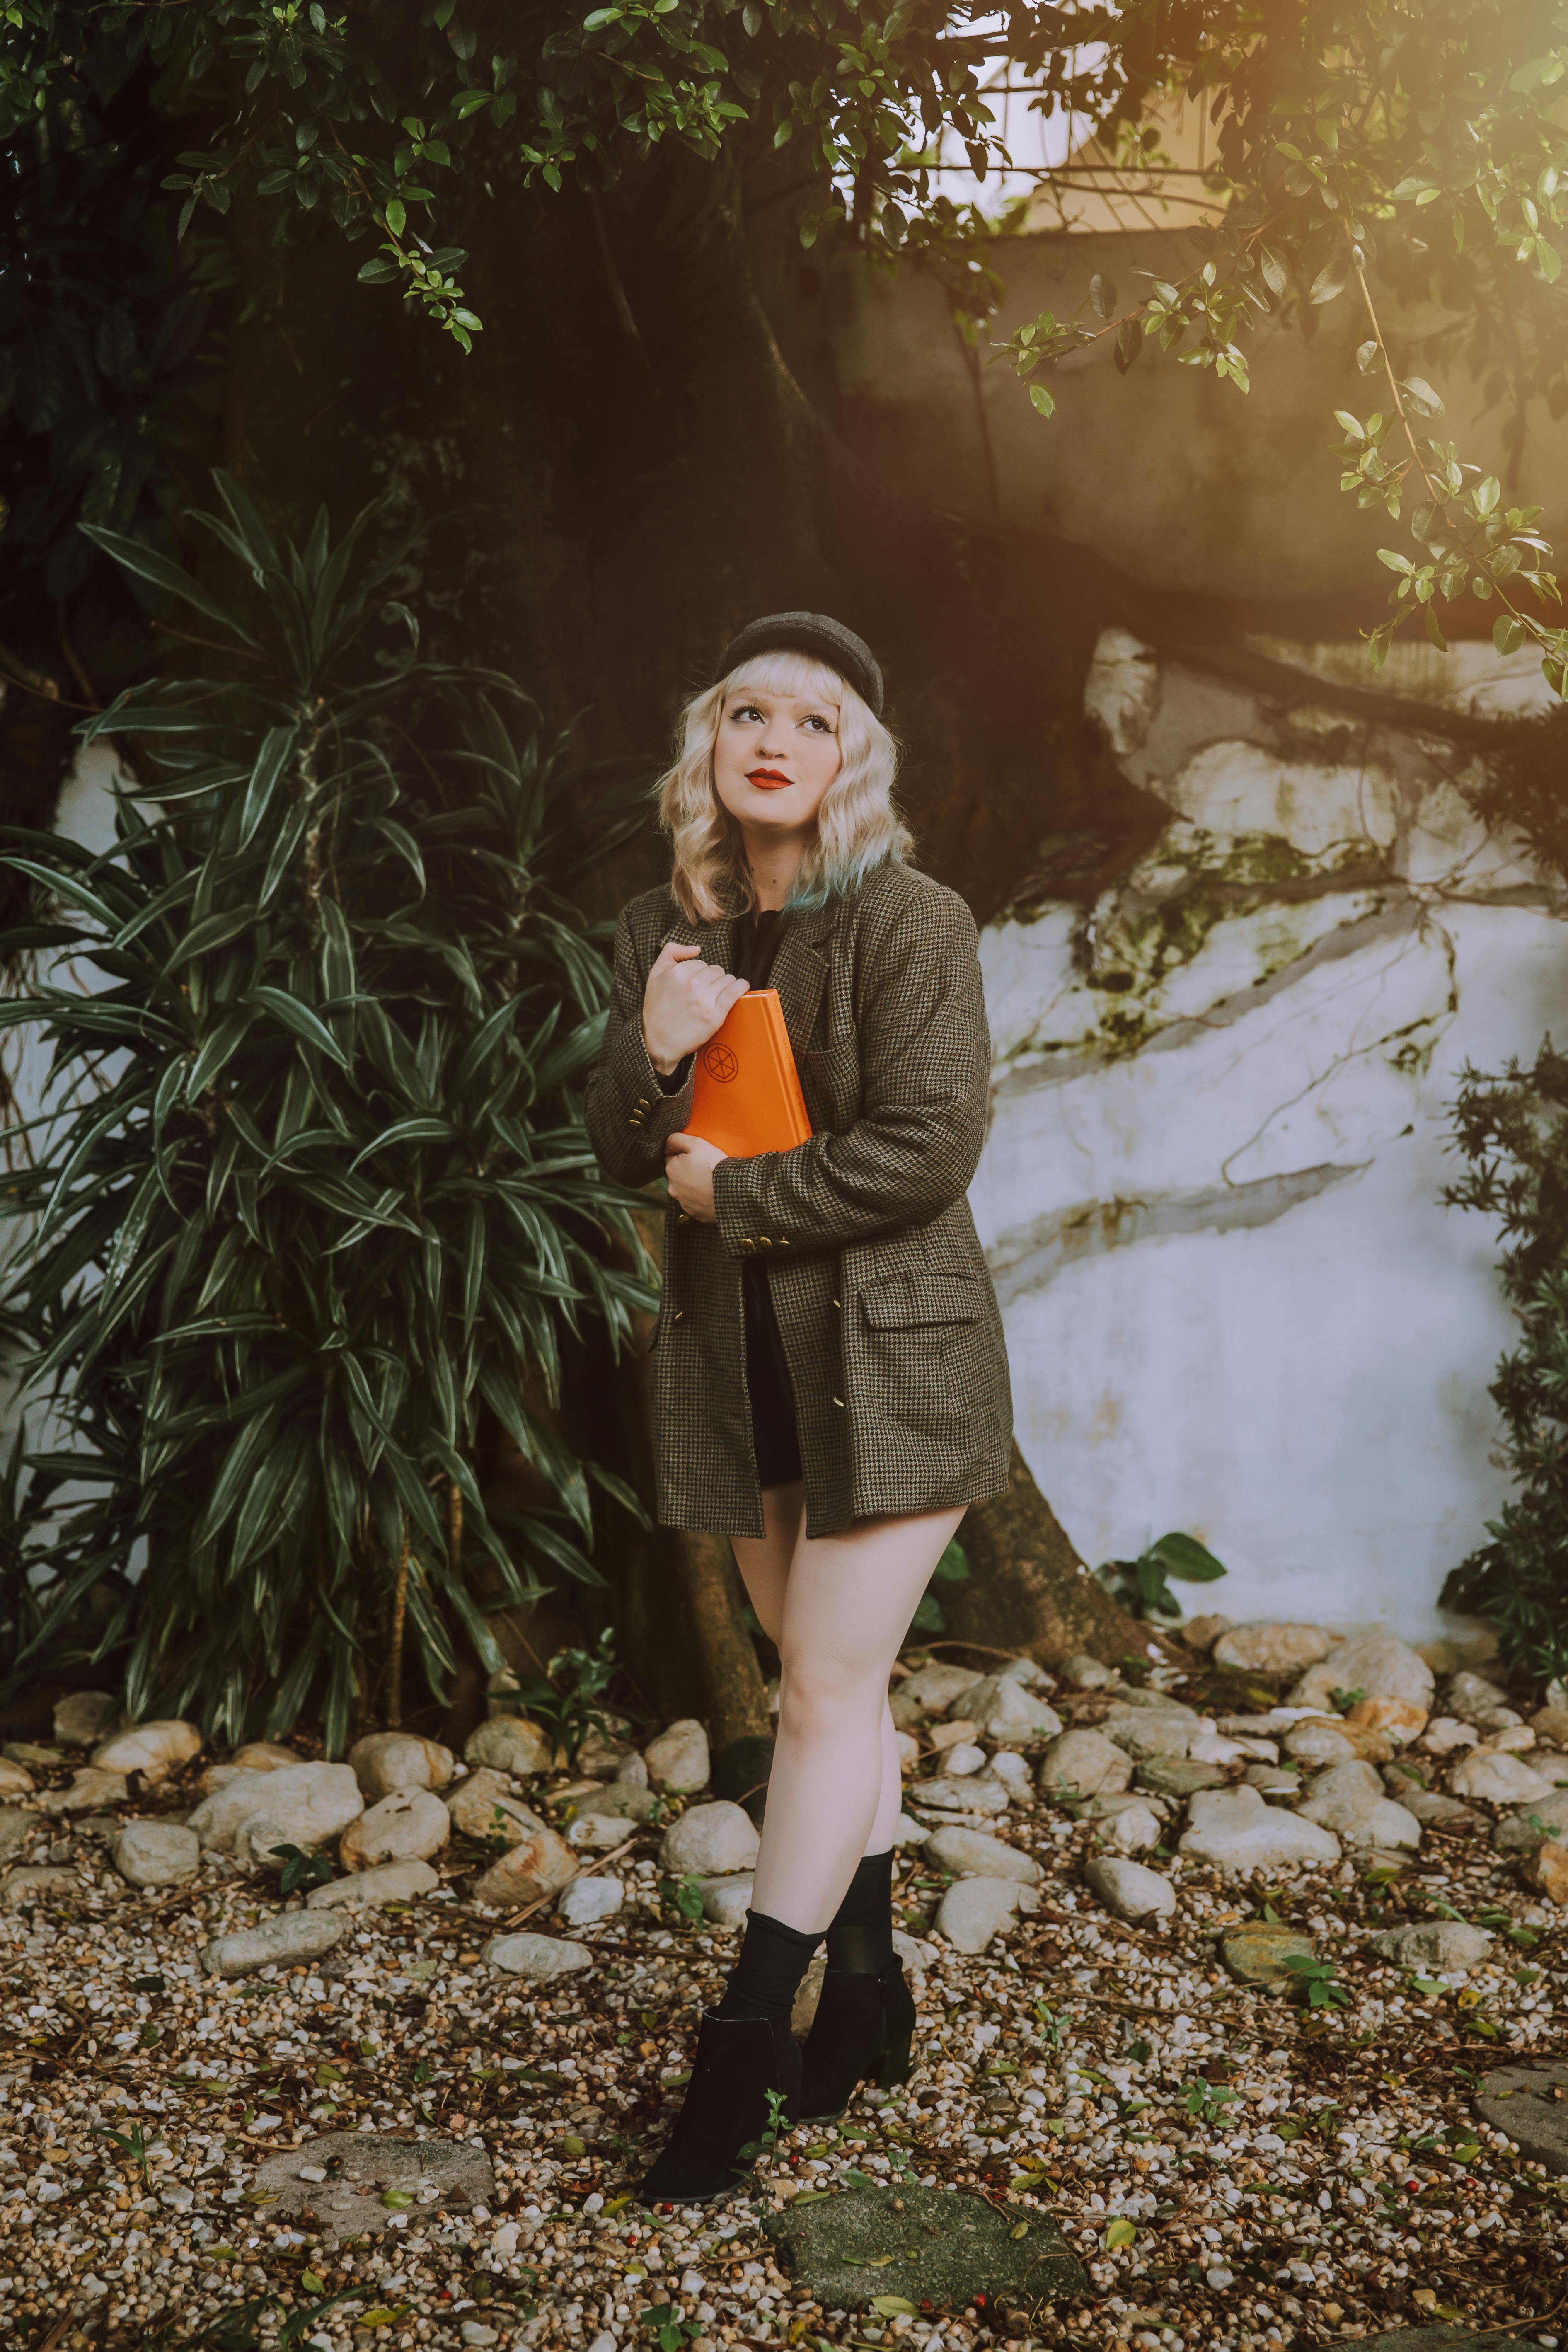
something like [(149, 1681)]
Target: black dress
[(774, 1434)]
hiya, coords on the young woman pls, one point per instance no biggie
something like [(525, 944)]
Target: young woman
[(830, 1381)]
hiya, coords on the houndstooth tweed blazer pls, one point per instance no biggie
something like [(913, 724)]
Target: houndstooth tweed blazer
[(884, 1302)]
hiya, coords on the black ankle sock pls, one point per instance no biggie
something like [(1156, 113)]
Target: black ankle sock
[(860, 1936), (774, 1959)]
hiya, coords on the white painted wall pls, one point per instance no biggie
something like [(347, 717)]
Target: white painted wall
[(1233, 1303)]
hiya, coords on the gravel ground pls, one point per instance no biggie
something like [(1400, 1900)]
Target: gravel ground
[(1235, 2169)]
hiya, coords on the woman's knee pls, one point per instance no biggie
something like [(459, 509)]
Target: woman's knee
[(821, 1695)]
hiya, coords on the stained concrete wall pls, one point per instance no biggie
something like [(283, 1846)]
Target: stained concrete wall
[(1211, 1190)]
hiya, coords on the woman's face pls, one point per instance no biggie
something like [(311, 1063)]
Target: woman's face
[(775, 756)]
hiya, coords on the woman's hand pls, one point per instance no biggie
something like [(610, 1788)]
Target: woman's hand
[(689, 1163), (684, 1002)]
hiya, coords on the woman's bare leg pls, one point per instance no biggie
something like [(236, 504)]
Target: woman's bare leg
[(765, 1564), (847, 1603)]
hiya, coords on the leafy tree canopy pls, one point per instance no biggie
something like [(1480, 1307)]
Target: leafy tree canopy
[(1415, 144)]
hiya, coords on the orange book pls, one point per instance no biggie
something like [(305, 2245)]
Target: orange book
[(747, 1098)]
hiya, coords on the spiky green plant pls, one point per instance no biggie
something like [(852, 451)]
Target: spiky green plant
[(310, 1198)]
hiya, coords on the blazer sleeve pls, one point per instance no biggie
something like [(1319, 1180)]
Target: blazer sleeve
[(627, 1111), (925, 1061)]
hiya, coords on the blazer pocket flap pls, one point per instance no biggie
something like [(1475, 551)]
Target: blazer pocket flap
[(902, 1299)]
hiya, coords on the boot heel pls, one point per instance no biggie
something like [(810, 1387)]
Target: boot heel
[(893, 2066)]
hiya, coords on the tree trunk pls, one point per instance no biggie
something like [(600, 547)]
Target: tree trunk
[(1029, 1592), (737, 1697)]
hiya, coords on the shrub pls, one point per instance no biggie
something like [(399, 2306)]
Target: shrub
[(311, 1194)]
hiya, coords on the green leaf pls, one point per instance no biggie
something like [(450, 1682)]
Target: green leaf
[(894, 2306), (299, 1019), (1183, 1555), (1507, 635), (133, 556), (1042, 400), (1121, 2232)]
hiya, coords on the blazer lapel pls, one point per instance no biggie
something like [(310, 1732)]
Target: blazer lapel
[(715, 939), (800, 973)]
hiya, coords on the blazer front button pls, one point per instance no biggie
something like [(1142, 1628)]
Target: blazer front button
[(839, 1403)]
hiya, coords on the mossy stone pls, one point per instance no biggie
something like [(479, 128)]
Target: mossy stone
[(934, 2249), (1258, 1953), (1178, 1776)]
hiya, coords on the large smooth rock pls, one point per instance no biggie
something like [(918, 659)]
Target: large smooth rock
[(1471, 1696), (1129, 1889), (32, 1883), (1178, 1776), (1547, 1870), (727, 1900), (1317, 1742), (365, 1890), (679, 1759), (599, 1832), (410, 1826), (18, 1826), (1376, 1664), (1133, 1829), (710, 1840), (511, 1743), (1083, 1673), (386, 1762), (1260, 1953), (538, 1958), (1445, 1733), (1152, 1730), (1520, 1834), (534, 1867), (91, 1791), (482, 1807), (1006, 1714), (622, 1802), (1237, 1832), (588, 1900), (1397, 1718), (1084, 1764), (1350, 1797), (932, 2249), (1496, 1779), (290, 1936), (935, 1686), (981, 1792), (343, 2178), (1551, 1723), (303, 1805), (970, 1854), (16, 1780), (256, 1756), (975, 1909), (1442, 1947), (84, 1717), (1202, 1633), (156, 1853), (154, 1750), (1529, 2102), (1273, 1649)]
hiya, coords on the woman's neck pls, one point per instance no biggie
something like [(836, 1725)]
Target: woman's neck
[(775, 864)]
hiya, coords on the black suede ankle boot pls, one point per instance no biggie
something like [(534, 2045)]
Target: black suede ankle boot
[(726, 2110), (862, 2029)]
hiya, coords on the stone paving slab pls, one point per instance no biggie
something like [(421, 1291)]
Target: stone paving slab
[(936, 2249), (359, 2168), (1446, 2339), (1531, 2104)]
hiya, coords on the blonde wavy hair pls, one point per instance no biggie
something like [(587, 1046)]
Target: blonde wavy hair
[(858, 827)]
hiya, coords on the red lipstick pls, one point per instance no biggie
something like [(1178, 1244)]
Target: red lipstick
[(768, 780)]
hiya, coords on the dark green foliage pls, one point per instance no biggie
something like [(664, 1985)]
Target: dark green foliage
[(1142, 1585), (1513, 1133), (566, 1698), (315, 1201), (952, 1568)]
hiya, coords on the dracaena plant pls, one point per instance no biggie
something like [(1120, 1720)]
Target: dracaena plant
[(311, 1204)]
